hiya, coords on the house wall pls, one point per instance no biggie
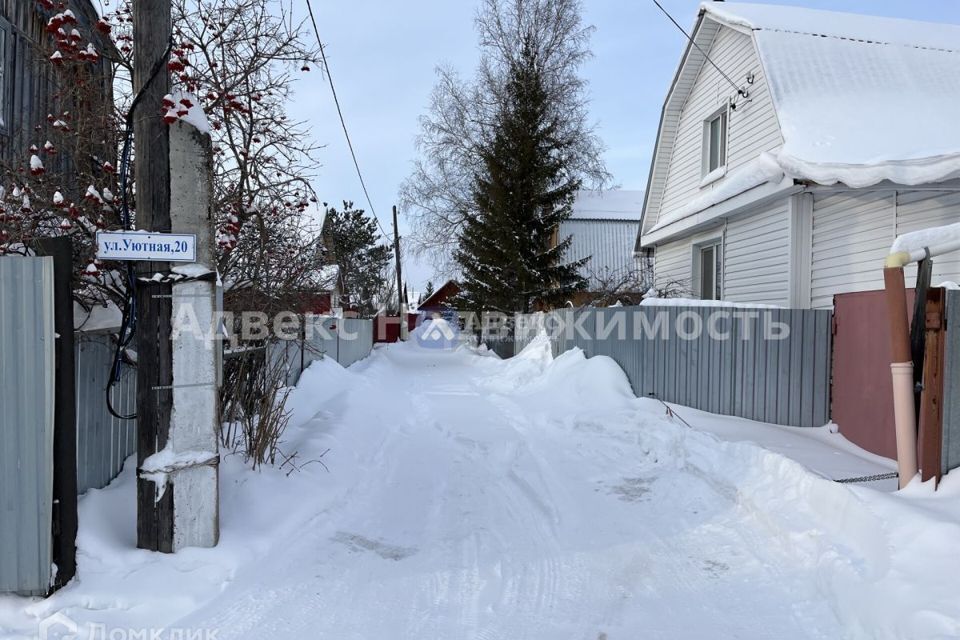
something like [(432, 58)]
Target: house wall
[(756, 257), (752, 127), (853, 231)]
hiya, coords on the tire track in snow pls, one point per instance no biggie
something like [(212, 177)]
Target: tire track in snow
[(519, 529)]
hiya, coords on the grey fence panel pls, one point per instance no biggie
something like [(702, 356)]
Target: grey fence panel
[(719, 360), (27, 368), (321, 341), (950, 445), (286, 355), (356, 340), (103, 441), (345, 340)]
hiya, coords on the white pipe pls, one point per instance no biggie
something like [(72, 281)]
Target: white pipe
[(905, 420)]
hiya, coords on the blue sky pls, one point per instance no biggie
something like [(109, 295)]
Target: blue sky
[(383, 54)]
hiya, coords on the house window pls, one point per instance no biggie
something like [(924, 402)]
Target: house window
[(5, 71), (715, 142), (709, 271)]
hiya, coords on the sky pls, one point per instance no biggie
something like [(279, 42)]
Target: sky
[(383, 55)]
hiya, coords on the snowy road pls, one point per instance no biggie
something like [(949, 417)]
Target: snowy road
[(488, 511), (535, 498)]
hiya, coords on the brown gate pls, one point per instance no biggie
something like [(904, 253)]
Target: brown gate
[(862, 398)]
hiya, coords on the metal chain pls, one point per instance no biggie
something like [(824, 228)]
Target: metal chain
[(873, 478)]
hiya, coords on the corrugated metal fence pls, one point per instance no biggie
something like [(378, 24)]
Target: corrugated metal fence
[(950, 444), (771, 365), (27, 369), (103, 441), (346, 340)]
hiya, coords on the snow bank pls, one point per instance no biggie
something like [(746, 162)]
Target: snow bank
[(319, 383), (569, 380), (883, 561)]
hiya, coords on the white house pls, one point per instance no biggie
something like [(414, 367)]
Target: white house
[(795, 145), (604, 227)]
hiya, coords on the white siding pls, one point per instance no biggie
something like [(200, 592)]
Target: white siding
[(922, 210), (673, 262), (672, 266), (757, 257), (752, 128), (852, 234)]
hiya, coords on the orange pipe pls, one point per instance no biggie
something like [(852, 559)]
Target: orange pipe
[(901, 370)]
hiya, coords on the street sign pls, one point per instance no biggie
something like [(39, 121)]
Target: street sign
[(138, 245)]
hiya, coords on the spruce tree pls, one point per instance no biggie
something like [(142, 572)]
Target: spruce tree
[(509, 254), (351, 241)]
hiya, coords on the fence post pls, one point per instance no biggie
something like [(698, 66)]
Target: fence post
[(65, 412)]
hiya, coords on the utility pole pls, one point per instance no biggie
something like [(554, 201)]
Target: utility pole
[(152, 30), (178, 365), (396, 252)]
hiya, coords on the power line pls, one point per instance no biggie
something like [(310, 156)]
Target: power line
[(343, 123), (740, 91)]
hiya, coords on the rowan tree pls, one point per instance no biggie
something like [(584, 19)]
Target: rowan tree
[(237, 60)]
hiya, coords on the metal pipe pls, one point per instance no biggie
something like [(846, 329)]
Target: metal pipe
[(901, 370)]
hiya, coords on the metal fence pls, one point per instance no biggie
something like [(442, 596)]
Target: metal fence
[(950, 444), (27, 366), (346, 340), (103, 441), (770, 365)]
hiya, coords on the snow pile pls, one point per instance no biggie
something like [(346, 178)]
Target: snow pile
[(524, 368), (882, 561), (532, 498), (321, 382), (860, 99)]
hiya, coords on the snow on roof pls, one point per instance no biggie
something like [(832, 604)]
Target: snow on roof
[(608, 205), (860, 99)]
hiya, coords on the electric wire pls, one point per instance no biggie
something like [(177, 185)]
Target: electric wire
[(128, 318), (740, 91), (343, 122)]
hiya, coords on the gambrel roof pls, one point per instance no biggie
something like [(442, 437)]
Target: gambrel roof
[(859, 99)]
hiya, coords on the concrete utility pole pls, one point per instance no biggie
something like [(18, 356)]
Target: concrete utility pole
[(152, 30), (177, 373)]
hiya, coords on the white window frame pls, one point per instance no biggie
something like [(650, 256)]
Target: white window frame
[(6, 73), (711, 174), (716, 245)]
